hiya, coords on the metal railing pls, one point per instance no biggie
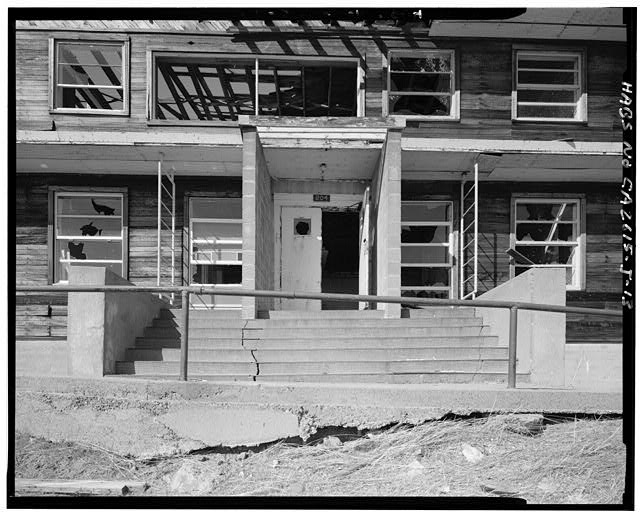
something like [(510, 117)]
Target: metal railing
[(185, 291)]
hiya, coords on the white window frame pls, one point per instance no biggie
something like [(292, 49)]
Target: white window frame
[(449, 244), (53, 77), (57, 261), (581, 104), (228, 241), (253, 59), (580, 243), (455, 90)]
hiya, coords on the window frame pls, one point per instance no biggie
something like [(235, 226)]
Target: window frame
[(581, 105), (450, 244), (53, 75), (581, 233), (187, 256), (455, 93), (154, 52), (53, 193)]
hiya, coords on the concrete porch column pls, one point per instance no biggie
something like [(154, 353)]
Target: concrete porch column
[(387, 243), (257, 224)]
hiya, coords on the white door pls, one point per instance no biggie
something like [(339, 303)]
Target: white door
[(301, 255)]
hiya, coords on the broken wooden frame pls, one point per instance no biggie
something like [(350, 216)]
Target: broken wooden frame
[(209, 87), (186, 291)]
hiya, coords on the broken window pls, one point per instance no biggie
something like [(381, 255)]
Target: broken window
[(90, 76), (549, 86), (215, 239), (426, 251), (422, 83), (88, 231), (204, 87), (547, 234)]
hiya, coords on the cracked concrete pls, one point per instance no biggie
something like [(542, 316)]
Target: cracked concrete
[(152, 418)]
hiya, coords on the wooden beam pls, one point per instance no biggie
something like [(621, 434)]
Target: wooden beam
[(329, 91), (185, 93), (277, 86), (304, 94), (106, 67), (251, 83), (173, 91), (211, 97), (227, 90), (194, 72)]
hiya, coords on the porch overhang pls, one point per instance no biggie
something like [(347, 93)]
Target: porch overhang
[(511, 160), (321, 148), (131, 153)]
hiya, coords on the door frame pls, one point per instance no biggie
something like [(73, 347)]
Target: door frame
[(303, 200)]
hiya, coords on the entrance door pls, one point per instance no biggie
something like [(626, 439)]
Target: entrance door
[(301, 255)]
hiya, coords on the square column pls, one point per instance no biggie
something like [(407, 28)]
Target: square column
[(257, 224)]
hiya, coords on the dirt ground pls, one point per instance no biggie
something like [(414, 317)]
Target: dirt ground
[(544, 461)]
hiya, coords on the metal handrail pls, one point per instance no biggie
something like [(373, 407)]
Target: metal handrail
[(185, 291)]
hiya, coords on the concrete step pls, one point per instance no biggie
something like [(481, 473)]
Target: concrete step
[(228, 369), (200, 313), (498, 366), (322, 343), (373, 367), (195, 355), (317, 355), (217, 323), (373, 332), (346, 314), (439, 312), (163, 332), (399, 378)]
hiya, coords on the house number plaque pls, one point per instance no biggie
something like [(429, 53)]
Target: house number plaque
[(321, 198)]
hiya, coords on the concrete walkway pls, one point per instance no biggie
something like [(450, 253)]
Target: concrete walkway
[(151, 418)]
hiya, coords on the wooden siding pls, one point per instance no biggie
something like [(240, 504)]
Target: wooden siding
[(603, 246), (43, 315), (485, 80)]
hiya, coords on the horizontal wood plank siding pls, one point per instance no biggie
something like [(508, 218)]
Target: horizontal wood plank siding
[(44, 315), (603, 247), (485, 79)]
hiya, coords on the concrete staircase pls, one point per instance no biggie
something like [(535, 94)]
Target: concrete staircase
[(435, 345)]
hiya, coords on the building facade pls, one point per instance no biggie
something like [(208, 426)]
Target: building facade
[(428, 157)]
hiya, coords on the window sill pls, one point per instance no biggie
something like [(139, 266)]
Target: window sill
[(90, 112), (539, 121), (438, 119), (192, 123)]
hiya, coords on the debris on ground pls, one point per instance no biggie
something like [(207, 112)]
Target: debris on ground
[(572, 461), (473, 455)]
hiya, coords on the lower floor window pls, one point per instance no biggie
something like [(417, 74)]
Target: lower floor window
[(88, 231), (548, 234), (426, 250), (215, 256)]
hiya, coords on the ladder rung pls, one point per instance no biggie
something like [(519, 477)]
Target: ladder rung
[(467, 279), (467, 245), (167, 209), (165, 224), (168, 192), (468, 261), (470, 207)]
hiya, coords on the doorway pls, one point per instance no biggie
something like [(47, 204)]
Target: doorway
[(340, 256)]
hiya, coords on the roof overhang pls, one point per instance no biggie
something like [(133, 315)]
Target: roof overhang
[(511, 160)]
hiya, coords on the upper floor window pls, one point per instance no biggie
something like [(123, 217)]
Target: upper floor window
[(549, 233), (422, 84), (90, 76), (216, 87), (549, 86)]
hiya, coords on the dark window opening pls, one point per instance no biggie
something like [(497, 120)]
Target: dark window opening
[(216, 88)]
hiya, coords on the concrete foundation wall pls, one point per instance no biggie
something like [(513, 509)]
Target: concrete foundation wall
[(541, 335), (593, 366), (257, 224), (102, 325), (41, 358)]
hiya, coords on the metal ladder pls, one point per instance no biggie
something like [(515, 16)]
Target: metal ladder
[(468, 258), (166, 221)]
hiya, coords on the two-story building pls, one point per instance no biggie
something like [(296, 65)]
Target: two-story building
[(410, 154)]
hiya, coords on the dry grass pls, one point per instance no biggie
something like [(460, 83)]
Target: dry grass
[(582, 461)]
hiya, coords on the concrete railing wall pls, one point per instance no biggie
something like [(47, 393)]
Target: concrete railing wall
[(541, 335), (257, 224), (101, 326)]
